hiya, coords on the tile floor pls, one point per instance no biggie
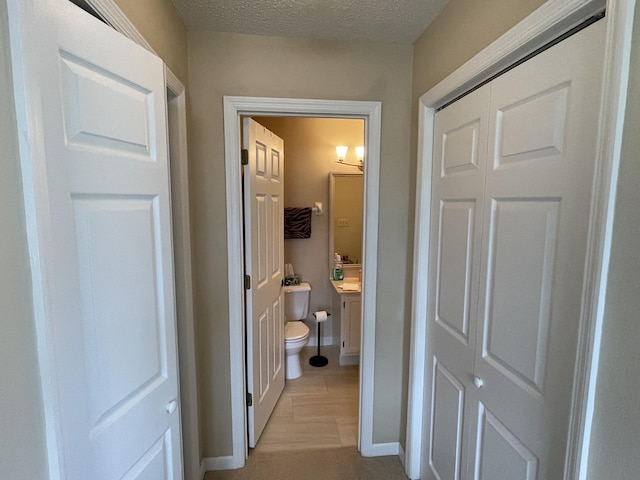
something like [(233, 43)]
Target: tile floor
[(317, 410)]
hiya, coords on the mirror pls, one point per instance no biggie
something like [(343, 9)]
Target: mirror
[(346, 192)]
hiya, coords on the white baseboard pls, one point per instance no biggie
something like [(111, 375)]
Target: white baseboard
[(401, 455), (383, 449), (219, 463)]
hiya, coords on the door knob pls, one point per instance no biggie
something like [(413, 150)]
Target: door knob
[(171, 406), (478, 381)]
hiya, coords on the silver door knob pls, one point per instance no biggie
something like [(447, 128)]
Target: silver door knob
[(478, 381), (171, 406)]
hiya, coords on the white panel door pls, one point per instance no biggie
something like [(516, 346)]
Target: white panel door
[(264, 262), (91, 109), (508, 248), (542, 149), (460, 149)]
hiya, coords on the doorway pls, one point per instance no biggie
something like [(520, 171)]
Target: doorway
[(320, 408), (370, 112)]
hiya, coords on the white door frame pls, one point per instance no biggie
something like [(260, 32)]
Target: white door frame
[(547, 22), (112, 15), (234, 107)]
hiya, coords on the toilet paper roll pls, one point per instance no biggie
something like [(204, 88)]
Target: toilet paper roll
[(321, 316)]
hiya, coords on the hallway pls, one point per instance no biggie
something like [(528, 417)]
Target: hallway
[(313, 431), (322, 464)]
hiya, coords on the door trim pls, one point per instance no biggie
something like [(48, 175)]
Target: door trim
[(546, 23), (234, 107)]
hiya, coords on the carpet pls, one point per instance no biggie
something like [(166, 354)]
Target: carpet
[(320, 464)]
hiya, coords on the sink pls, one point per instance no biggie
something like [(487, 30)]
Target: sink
[(348, 285)]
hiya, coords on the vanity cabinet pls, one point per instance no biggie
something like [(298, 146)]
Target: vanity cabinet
[(350, 307), (350, 327)]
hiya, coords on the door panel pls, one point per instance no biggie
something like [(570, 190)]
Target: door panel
[(447, 421), (264, 261), (499, 454), (453, 297), (460, 148), (516, 141), (522, 242), (95, 165), (122, 321), (91, 96), (544, 123)]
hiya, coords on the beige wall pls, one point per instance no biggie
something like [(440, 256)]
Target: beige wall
[(159, 23), (228, 64), (310, 155), (463, 28), (616, 427), (22, 444)]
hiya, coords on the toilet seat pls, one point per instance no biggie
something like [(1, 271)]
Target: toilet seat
[(295, 330)]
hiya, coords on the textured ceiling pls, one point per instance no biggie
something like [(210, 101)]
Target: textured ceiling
[(384, 21)]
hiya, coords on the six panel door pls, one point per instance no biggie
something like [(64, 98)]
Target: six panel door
[(95, 164), (264, 262)]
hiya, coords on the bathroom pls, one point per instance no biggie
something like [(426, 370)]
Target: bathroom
[(310, 158)]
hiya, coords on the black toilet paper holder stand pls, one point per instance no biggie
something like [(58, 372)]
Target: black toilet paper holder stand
[(318, 360)]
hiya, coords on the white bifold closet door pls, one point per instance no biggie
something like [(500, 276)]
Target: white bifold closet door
[(511, 195), (92, 117)]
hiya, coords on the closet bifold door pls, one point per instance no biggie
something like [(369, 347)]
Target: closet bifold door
[(542, 151), (460, 151), (513, 169)]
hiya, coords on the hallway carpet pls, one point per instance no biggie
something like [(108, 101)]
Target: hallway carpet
[(322, 464)]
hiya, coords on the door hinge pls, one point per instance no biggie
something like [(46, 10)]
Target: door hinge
[(249, 400), (244, 157), (247, 282), (344, 304), (342, 344)]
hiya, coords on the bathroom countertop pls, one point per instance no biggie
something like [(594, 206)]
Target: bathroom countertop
[(337, 285)]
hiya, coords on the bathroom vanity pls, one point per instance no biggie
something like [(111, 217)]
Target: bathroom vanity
[(346, 191), (348, 303)]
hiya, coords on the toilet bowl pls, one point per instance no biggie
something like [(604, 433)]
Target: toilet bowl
[(296, 333)]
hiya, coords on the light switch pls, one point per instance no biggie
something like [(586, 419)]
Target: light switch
[(343, 222)]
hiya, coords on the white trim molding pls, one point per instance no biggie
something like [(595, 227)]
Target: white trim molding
[(620, 16), (112, 14), (234, 107), (384, 449), (546, 23), (217, 463), (401, 454)]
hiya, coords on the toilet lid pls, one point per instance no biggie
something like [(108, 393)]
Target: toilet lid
[(295, 330)]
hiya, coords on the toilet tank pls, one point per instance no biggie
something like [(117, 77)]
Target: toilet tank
[(296, 301)]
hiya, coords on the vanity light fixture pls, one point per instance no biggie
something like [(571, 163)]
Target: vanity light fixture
[(341, 152)]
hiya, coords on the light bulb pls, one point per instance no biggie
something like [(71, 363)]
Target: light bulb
[(341, 152)]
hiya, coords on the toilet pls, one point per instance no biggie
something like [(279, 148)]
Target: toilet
[(296, 333)]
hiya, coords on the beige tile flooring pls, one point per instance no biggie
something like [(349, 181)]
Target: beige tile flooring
[(317, 410)]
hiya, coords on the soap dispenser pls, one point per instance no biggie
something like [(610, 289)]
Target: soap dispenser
[(337, 267)]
